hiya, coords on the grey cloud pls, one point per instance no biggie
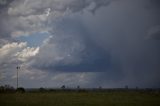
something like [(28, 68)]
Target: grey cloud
[(72, 50), (28, 7), (5, 4), (91, 60), (23, 17), (154, 6), (154, 33), (26, 17), (156, 36)]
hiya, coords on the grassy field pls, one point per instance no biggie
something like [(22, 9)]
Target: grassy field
[(80, 99)]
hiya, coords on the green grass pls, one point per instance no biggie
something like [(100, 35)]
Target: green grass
[(80, 99)]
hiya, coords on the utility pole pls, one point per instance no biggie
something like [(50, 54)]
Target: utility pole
[(18, 67)]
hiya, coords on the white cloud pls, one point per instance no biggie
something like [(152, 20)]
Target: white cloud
[(27, 53), (8, 51), (17, 52), (13, 54)]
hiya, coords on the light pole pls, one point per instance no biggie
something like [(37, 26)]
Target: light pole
[(18, 67)]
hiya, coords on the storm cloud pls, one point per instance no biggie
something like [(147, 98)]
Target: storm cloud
[(111, 43)]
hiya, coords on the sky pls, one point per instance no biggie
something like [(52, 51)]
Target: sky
[(90, 43)]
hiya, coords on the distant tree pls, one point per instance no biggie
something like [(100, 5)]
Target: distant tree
[(126, 87), (20, 89), (100, 87), (78, 87), (63, 87), (2, 88), (7, 88), (42, 89)]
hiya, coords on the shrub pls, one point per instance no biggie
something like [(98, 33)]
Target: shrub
[(21, 90)]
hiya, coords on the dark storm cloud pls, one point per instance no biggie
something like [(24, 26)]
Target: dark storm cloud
[(155, 3), (74, 44), (154, 6), (93, 60), (5, 4), (156, 36), (114, 38), (4, 18), (135, 59), (154, 33)]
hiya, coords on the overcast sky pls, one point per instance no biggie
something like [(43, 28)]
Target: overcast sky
[(91, 43)]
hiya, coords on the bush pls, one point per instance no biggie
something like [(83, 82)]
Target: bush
[(21, 90), (42, 89)]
